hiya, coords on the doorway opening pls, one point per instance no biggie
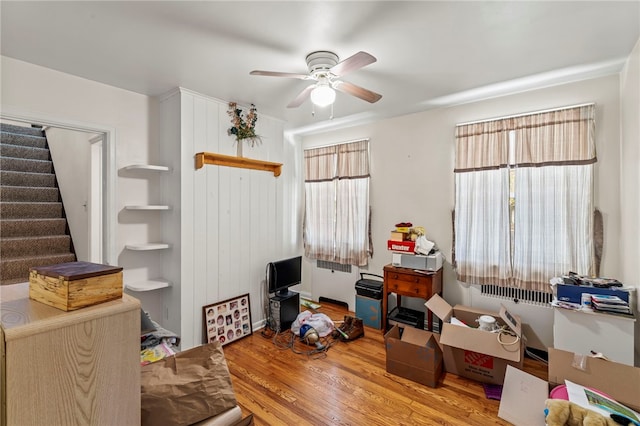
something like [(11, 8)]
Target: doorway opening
[(93, 192)]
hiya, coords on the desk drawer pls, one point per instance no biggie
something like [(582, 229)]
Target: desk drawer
[(408, 284)]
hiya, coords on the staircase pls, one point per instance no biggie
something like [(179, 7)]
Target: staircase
[(33, 229)]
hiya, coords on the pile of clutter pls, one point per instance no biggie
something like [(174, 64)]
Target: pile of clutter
[(573, 291), (411, 249)]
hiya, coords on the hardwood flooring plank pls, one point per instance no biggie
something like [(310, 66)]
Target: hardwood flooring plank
[(348, 385)]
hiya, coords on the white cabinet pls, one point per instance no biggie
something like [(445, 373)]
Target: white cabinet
[(68, 368), (582, 332), (156, 283)]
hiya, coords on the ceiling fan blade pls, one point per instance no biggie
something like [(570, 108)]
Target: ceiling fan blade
[(303, 96), (352, 63), (280, 74), (357, 91)]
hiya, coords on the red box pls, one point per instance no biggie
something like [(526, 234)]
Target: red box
[(401, 246)]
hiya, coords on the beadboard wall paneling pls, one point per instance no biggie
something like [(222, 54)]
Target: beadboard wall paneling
[(227, 224)]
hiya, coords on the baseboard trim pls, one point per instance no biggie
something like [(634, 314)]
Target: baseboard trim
[(333, 301)]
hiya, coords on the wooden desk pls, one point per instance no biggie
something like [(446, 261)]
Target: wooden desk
[(408, 282)]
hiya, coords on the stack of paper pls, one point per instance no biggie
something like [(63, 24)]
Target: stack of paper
[(612, 304)]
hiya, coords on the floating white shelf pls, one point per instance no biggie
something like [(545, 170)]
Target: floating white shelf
[(150, 246), (147, 207), (148, 285), (147, 167)]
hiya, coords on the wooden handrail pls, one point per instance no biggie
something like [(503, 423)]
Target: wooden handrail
[(203, 158)]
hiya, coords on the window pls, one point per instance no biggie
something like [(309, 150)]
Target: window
[(336, 219), (524, 198)]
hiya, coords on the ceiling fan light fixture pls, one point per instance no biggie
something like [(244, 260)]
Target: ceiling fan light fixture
[(323, 95)]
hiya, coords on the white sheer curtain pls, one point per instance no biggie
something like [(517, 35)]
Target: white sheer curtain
[(554, 224), (336, 226), (551, 230), (553, 234), (482, 250), (320, 212), (482, 227)]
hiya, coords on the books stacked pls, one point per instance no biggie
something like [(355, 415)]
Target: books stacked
[(610, 304)]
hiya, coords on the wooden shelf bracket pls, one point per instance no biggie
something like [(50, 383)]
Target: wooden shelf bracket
[(203, 158)]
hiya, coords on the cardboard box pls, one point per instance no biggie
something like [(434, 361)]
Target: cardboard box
[(401, 246), (370, 310), (399, 236), (619, 381), (75, 285), (573, 293), (473, 353), (432, 262), (523, 395), (403, 229), (414, 354)]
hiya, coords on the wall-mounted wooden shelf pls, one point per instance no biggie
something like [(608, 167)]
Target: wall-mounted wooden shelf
[(203, 158)]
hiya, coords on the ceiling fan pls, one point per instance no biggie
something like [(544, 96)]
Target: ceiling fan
[(325, 70)]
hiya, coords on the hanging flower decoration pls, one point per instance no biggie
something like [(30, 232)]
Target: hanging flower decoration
[(244, 126)]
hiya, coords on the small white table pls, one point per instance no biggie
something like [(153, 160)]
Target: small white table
[(582, 332)]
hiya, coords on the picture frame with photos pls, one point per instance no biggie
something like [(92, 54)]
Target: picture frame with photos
[(227, 321)]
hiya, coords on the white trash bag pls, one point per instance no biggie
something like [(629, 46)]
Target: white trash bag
[(320, 322)]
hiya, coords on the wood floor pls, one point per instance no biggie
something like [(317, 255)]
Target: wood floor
[(348, 385)]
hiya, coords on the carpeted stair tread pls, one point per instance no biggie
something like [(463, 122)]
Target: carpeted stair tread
[(23, 130), (22, 165), (11, 178), (30, 210), (28, 194), (25, 152), (23, 140), (16, 270), (34, 246), (32, 227)]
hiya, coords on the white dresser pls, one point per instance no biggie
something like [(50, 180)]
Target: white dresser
[(582, 332)]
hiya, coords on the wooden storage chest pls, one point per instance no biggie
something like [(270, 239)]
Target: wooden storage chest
[(75, 285)]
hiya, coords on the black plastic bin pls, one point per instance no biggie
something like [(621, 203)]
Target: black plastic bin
[(406, 316)]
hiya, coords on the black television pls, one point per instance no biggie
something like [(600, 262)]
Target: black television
[(284, 274)]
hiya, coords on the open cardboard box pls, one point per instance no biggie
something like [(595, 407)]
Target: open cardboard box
[(414, 354), (474, 353), (523, 395)]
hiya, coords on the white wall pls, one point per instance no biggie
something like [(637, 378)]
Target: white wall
[(630, 178), (412, 176), (70, 152), (37, 91)]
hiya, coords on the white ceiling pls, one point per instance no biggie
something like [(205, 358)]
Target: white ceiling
[(429, 53)]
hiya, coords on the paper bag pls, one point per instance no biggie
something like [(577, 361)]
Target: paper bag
[(183, 389)]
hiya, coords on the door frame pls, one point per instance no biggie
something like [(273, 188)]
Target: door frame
[(109, 173)]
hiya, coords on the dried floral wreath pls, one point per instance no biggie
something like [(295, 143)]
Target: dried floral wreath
[(243, 125)]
